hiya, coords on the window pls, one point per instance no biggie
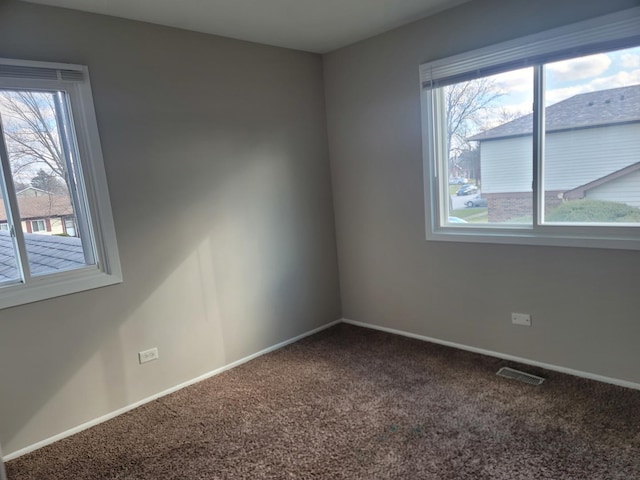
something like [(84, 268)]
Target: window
[(537, 140), (58, 235), (70, 227), (38, 226)]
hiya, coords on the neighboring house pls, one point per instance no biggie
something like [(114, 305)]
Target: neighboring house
[(46, 254), (43, 213), (592, 151), (32, 192)]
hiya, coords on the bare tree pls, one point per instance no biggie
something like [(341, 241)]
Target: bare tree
[(468, 106), (466, 109), (506, 116), (31, 133)]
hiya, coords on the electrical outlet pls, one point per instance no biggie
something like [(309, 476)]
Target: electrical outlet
[(521, 319), (148, 355)]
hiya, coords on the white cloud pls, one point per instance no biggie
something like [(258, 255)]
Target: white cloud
[(620, 79), (498, 115), (519, 109), (580, 68), (629, 60), (558, 94), (515, 80)]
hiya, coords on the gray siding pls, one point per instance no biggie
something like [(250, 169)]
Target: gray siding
[(572, 158), (506, 165), (624, 190)]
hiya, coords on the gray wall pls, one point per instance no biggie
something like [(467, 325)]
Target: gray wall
[(217, 162), (584, 302)]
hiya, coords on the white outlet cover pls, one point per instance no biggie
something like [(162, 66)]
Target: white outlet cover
[(523, 319), (148, 355)]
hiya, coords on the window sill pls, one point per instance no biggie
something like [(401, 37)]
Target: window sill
[(527, 236), (50, 286)]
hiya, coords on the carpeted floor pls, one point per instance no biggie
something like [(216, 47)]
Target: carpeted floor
[(352, 403)]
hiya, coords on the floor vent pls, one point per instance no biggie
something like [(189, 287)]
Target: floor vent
[(521, 376)]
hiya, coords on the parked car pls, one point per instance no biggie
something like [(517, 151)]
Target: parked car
[(467, 190), (476, 202), (457, 181)]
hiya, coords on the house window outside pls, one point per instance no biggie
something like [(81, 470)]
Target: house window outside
[(38, 226), (70, 227), (545, 131), (4, 226), (60, 236)]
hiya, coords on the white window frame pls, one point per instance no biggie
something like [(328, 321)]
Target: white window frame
[(44, 222), (618, 30), (74, 81)]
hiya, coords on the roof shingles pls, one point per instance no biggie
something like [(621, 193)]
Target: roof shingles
[(40, 207), (605, 107), (47, 254)]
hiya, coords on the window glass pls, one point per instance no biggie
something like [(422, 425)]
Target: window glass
[(38, 226), (488, 128), (592, 139), (537, 140), (70, 227), (8, 265), (57, 234), (42, 155)]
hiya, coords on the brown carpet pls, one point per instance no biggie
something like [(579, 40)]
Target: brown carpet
[(352, 403)]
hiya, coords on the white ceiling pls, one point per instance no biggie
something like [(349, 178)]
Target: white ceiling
[(312, 25)]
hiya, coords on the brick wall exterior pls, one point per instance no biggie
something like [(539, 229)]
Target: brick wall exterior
[(505, 206)]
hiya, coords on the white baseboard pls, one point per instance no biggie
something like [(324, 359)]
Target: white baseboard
[(504, 356), (120, 411)]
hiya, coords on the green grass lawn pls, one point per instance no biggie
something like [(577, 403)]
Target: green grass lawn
[(472, 215), (588, 211), (579, 211)]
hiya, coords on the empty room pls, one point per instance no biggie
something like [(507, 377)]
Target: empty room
[(341, 239)]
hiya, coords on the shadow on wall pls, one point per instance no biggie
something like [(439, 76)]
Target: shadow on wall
[(219, 270), (219, 181)]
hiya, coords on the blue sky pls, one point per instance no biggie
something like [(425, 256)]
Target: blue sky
[(568, 78), (592, 73)]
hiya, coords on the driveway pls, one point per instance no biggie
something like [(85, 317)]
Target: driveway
[(459, 202)]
